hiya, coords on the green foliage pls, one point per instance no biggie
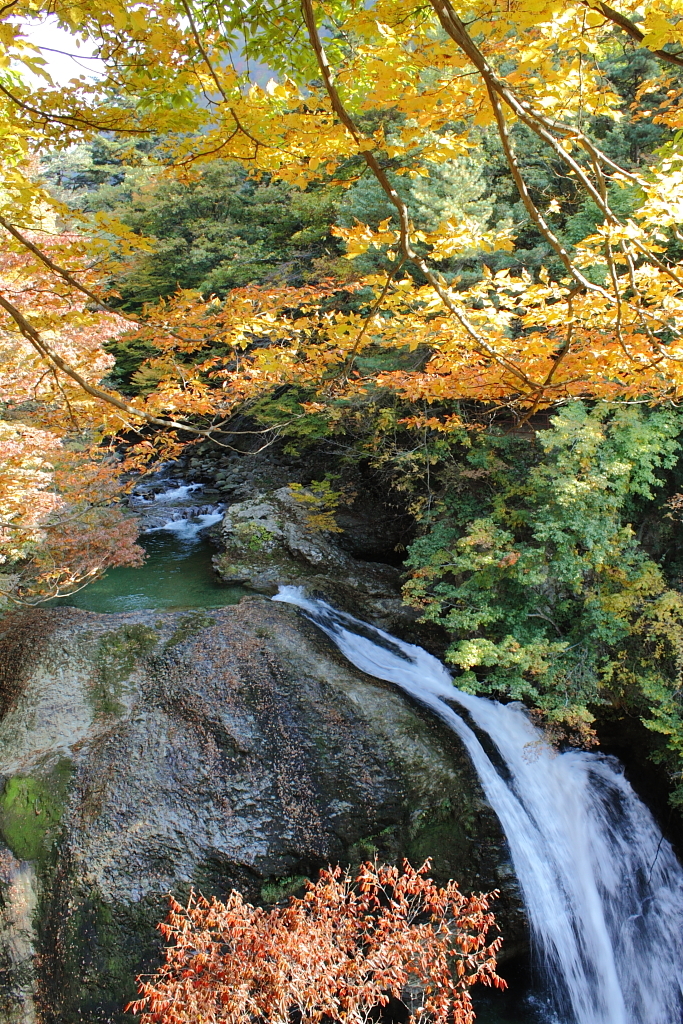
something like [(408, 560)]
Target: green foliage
[(282, 888), (100, 176), (214, 229), (319, 502), (221, 230), (530, 565), (454, 192)]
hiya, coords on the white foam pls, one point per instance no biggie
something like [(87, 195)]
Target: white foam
[(178, 493), (188, 528)]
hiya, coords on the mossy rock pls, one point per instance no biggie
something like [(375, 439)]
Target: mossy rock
[(255, 537), (249, 755), (116, 657), (31, 809), (438, 834), (188, 626), (280, 889), (92, 953)]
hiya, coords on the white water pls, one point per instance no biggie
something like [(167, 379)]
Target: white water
[(185, 519), (174, 494), (603, 890), (188, 528)]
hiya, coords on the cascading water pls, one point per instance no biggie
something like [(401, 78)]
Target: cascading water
[(603, 890), (174, 509)]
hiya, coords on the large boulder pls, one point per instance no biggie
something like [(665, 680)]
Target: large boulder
[(271, 540), (147, 753)]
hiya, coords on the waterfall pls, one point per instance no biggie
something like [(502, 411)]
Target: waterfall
[(602, 888)]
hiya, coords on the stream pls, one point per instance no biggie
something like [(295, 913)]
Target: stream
[(602, 888), (177, 573)]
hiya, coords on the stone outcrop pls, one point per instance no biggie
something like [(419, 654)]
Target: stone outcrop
[(152, 752), (268, 541), (376, 524)]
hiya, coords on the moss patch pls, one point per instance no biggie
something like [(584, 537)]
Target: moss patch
[(116, 656), (281, 888), (386, 845), (441, 834), (31, 810), (188, 626), (254, 536), (92, 952)]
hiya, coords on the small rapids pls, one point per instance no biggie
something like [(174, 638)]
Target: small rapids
[(178, 572), (172, 506), (603, 889), (188, 527)]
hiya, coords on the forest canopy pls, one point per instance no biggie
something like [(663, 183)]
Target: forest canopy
[(506, 183), (413, 227)]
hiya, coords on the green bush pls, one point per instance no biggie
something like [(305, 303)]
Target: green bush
[(532, 566)]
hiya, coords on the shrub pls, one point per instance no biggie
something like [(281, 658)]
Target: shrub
[(343, 952)]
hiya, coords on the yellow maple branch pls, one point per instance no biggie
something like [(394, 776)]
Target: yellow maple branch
[(365, 147), (55, 360), (631, 29)]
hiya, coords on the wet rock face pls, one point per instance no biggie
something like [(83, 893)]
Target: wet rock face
[(268, 541), (147, 753)]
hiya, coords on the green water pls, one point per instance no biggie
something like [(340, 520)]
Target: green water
[(176, 575)]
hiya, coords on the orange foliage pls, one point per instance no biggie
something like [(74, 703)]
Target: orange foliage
[(347, 948), (603, 319), (59, 524)]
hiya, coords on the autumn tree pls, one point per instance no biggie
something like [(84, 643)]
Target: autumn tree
[(62, 523), (347, 949), (510, 180), (401, 89)]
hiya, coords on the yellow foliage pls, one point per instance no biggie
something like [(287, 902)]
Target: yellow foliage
[(610, 327)]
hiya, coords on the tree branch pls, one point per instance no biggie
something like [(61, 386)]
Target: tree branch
[(365, 146), (71, 120), (632, 30), (202, 50), (67, 276), (533, 211), (55, 360)]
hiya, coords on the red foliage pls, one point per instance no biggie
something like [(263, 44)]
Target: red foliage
[(60, 479), (337, 955)]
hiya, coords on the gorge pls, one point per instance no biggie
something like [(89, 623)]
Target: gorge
[(157, 738)]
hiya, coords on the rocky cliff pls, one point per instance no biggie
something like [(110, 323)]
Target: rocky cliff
[(147, 753)]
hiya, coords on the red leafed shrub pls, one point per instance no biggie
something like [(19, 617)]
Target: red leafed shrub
[(340, 954)]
